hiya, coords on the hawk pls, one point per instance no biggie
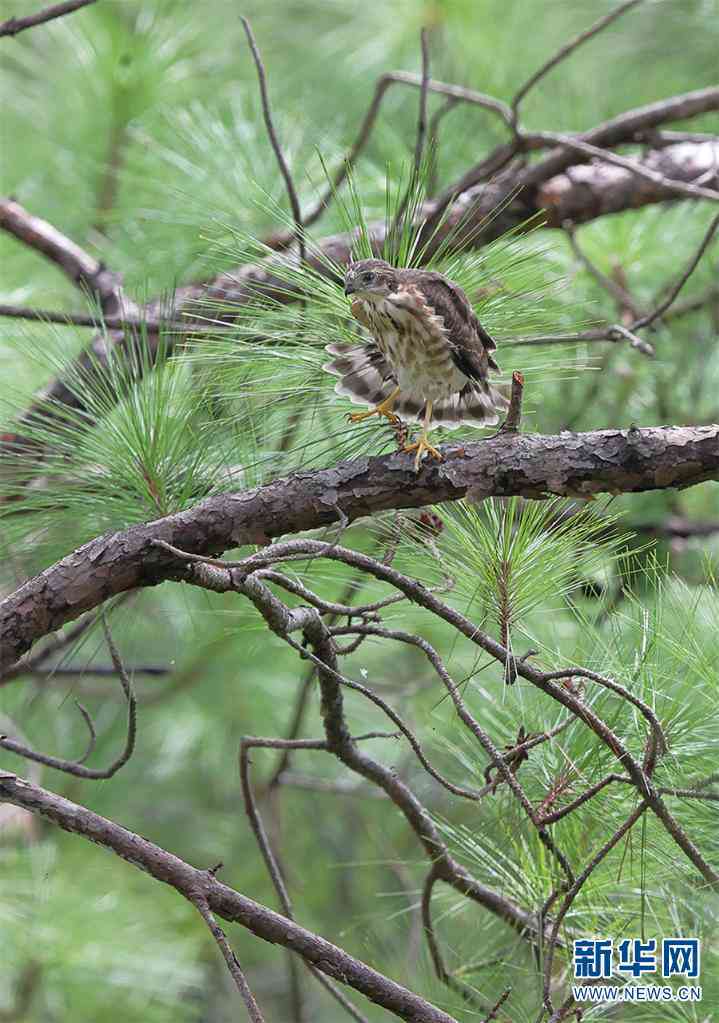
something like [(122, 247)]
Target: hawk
[(429, 357)]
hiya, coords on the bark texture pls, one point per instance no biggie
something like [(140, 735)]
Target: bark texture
[(532, 465)]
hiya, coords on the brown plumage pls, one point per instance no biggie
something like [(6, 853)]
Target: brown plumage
[(429, 357)]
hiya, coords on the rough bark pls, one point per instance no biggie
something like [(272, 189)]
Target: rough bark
[(570, 464)]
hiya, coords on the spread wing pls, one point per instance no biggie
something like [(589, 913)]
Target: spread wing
[(471, 345)]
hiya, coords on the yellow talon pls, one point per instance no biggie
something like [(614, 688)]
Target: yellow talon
[(358, 417), (383, 409), (421, 446)]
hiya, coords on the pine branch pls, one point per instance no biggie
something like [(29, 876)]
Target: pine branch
[(580, 464)]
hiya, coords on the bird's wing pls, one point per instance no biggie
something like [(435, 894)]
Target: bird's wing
[(471, 345)]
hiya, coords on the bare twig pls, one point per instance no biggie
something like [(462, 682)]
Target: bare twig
[(253, 1009), (422, 115), (224, 901), (691, 266), (639, 775), (514, 413), (149, 324), (636, 167), (576, 888), (76, 767), (13, 26), (433, 139), (25, 987), (268, 855), (455, 94), (274, 141), (620, 295), (614, 334), (453, 983), (97, 671), (708, 297), (81, 268), (565, 51)]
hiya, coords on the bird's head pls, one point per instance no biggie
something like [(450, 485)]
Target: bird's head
[(370, 278)]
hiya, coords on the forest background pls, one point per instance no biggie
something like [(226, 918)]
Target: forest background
[(134, 139)]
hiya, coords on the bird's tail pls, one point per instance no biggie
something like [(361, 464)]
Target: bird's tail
[(365, 378), (477, 404)]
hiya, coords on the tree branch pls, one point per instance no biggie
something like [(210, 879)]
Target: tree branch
[(86, 272), (568, 49), (13, 26), (532, 465), (222, 900), (76, 767), (470, 221)]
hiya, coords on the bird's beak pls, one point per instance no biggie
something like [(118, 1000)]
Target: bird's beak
[(349, 287)]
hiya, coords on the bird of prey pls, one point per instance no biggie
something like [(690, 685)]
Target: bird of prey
[(429, 357)]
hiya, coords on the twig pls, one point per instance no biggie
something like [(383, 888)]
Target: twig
[(456, 94), (91, 729), (25, 987), (497, 1005), (620, 295), (514, 412), (542, 680), (690, 305), (433, 139), (576, 888), (617, 130), (588, 150), (351, 587), (13, 26), (614, 333), (268, 855), (283, 621), (422, 115), (274, 141), (453, 983), (98, 670), (82, 269), (691, 266), (326, 606), (565, 51), (658, 738), (149, 324), (223, 900), (468, 719), (76, 767), (253, 1009)]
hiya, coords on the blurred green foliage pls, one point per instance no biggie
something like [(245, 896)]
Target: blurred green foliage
[(135, 128)]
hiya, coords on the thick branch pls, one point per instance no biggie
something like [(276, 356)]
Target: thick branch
[(568, 464), (220, 899)]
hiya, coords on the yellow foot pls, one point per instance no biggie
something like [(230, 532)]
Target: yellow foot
[(358, 417), (420, 446)]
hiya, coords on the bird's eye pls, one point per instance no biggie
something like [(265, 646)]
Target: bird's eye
[(368, 276)]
